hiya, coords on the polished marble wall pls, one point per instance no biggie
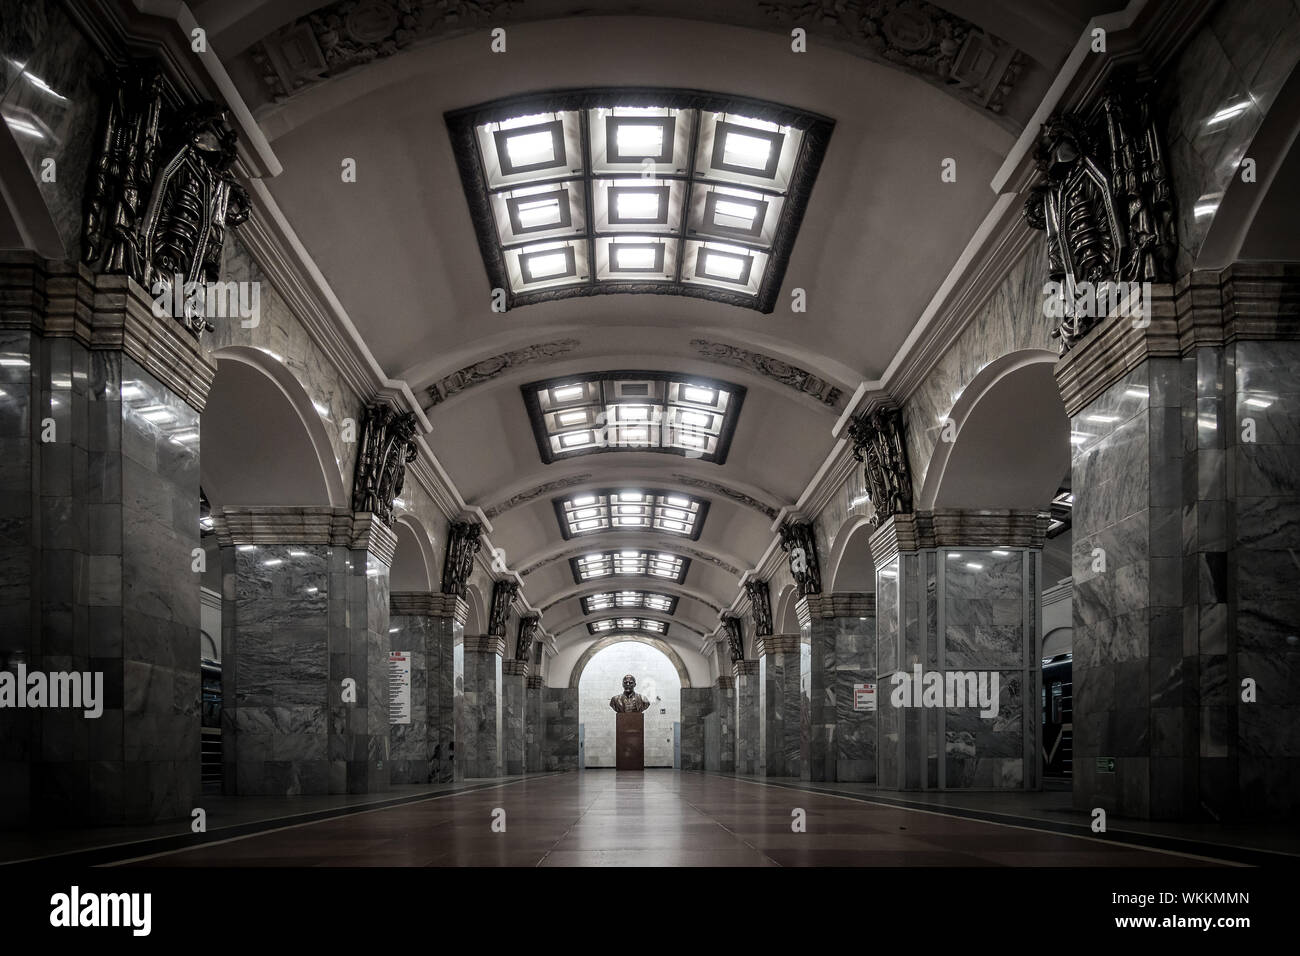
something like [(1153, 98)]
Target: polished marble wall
[(534, 725), (781, 706), (478, 708), (720, 730), (842, 651), (747, 682), (422, 751), (514, 743), (697, 705), (560, 723)]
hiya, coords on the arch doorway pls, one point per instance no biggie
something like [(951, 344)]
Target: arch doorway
[(657, 680)]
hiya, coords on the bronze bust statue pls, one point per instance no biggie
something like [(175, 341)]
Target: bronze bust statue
[(629, 702)]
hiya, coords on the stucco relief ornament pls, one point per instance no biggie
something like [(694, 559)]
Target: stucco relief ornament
[(735, 639), (629, 702), (387, 447), (160, 194), (463, 542), (1106, 205), (504, 593), (527, 634), (879, 443), (798, 543)]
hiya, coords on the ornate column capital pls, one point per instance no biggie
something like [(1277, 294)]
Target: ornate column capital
[(798, 541), (429, 604), (319, 525), (463, 542), (744, 668), (760, 603), (780, 644), (951, 528), (485, 644), (513, 668), (839, 604)]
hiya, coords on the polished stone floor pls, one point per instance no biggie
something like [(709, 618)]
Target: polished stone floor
[(660, 818)]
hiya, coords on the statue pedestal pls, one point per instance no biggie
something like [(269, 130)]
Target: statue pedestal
[(629, 745)]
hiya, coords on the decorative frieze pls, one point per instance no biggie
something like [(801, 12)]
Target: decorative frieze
[(504, 593), (463, 542), (953, 528), (1246, 301), (798, 543), (779, 644), (387, 447), (727, 492), (160, 192), (527, 633), (760, 604), (1105, 202), (336, 527), (429, 604), (879, 442), (841, 604), (791, 376), (496, 366), (531, 494), (485, 644)]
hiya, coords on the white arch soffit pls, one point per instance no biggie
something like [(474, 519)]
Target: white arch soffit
[(842, 538), (477, 611), (788, 597), (613, 640), (424, 541), (983, 383), (301, 403), (1234, 217)]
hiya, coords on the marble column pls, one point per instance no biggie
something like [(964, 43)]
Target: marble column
[(780, 705), (305, 644), (534, 723), (957, 605), (99, 484), (720, 728), (1186, 482), (427, 625), (697, 705), (745, 677), (514, 716), (478, 706), (842, 653), (560, 728)]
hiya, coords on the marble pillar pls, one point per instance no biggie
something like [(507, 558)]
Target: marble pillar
[(842, 654), (514, 716), (745, 677), (305, 642), (99, 484), (957, 605), (780, 705), (427, 625), (697, 705), (560, 728), (1186, 482), (534, 723), (478, 707), (723, 759)]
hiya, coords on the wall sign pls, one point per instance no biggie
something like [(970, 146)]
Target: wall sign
[(864, 697), (399, 687)]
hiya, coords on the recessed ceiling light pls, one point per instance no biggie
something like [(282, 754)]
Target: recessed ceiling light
[(634, 257), (573, 418), (529, 149), (636, 205), (640, 139), (547, 265), (567, 393), (704, 396), (741, 149), (724, 266), (734, 215), (539, 212)]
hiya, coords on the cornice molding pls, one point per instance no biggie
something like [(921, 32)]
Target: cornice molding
[(841, 604), (336, 527), (957, 529), (744, 669), (778, 644), (485, 644), (429, 604)]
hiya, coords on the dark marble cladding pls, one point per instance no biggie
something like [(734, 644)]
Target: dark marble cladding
[(534, 729), (514, 706), (39, 35), (560, 722), (697, 704), (747, 724), (780, 707), (422, 751), (478, 714), (842, 741), (96, 537)]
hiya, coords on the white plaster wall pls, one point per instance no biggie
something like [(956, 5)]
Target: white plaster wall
[(656, 681)]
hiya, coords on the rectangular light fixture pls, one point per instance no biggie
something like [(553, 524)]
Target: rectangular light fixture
[(634, 139), (746, 149), (529, 148), (637, 205)]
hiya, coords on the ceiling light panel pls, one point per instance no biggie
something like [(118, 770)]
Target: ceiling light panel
[(629, 562), (635, 411), (629, 600), (626, 625), (627, 509), (670, 174)]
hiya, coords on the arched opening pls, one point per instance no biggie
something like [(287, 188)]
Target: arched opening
[(601, 677), (476, 616), (413, 560), (786, 619), (259, 446), (852, 567)]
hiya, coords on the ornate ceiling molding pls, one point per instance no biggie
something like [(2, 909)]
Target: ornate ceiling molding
[(739, 497), (538, 491), (791, 376), (496, 366)]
